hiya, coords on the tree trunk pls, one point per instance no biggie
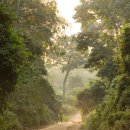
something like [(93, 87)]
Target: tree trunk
[(64, 83), (2, 1), (18, 4)]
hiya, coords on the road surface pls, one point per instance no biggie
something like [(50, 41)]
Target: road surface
[(72, 124)]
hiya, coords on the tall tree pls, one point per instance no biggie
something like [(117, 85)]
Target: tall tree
[(65, 54), (36, 22), (105, 18), (101, 21), (13, 53)]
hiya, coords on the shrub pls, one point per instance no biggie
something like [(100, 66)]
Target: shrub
[(9, 121)]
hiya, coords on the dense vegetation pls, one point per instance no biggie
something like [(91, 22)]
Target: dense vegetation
[(105, 28), (31, 32), (27, 100)]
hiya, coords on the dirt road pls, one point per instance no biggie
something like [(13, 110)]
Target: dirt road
[(72, 124)]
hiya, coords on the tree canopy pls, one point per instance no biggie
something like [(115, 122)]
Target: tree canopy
[(26, 30), (105, 29), (13, 53)]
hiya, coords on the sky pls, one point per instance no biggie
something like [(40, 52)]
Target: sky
[(66, 9)]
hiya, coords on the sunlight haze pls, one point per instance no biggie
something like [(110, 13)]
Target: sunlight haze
[(66, 9)]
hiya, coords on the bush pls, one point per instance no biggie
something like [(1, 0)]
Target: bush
[(9, 121), (68, 109), (119, 120), (113, 113), (35, 104), (89, 98)]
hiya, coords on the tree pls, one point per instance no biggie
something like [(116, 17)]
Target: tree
[(100, 26), (13, 54), (110, 56), (25, 38), (115, 105), (65, 54)]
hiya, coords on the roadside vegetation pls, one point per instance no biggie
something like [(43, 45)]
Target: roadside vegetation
[(106, 29), (33, 40), (27, 100)]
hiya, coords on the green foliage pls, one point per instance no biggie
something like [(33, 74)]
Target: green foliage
[(114, 113), (9, 121), (122, 51), (120, 120), (91, 97), (13, 54), (35, 104), (91, 122), (110, 55), (38, 19), (68, 109), (101, 21)]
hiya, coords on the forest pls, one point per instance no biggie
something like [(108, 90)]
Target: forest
[(33, 43)]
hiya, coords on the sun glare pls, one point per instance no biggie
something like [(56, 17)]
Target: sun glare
[(66, 9)]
